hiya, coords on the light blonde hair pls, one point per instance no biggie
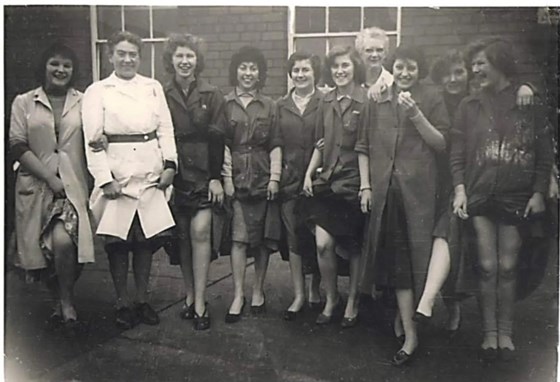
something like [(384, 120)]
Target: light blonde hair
[(373, 32)]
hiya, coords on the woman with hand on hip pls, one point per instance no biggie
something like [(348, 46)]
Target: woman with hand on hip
[(52, 223), (132, 173)]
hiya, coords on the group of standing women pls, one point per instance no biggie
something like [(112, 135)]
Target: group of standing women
[(361, 175)]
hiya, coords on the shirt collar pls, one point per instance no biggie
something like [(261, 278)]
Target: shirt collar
[(243, 93)]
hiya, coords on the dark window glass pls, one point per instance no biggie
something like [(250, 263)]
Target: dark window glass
[(344, 19), (137, 20), (108, 21), (310, 19), (314, 45), (165, 20), (341, 41), (381, 17)]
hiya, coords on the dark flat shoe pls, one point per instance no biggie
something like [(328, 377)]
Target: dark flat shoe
[(187, 313), (146, 314), (421, 318), (125, 318), (507, 354), (73, 328), (451, 334), (257, 310), (202, 322), (349, 322), (291, 315), (323, 319), (488, 354), (401, 358), (232, 318)]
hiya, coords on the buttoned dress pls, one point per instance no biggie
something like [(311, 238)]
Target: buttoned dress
[(403, 176), (335, 205), (298, 134), (33, 124), (115, 106), (251, 135)]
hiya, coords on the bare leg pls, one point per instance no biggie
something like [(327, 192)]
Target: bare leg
[(66, 265), (141, 266), (352, 303), (397, 325), (118, 265), (405, 301), (509, 245), (201, 254), (261, 265), (326, 258), (238, 264), (488, 262), (438, 271), (454, 310), (185, 252), (298, 281)]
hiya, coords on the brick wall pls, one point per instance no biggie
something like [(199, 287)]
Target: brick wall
[(226, 29)]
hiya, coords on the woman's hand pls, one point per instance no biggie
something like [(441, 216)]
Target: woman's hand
[(99, 145), (272, 190), (365, 200), (57, 187), (408, 104), (535, 205), (215, 192), (307, 186), (112, 190), (166, 178), (553, 186), (525, 96), (460, 202), (229, 189), (376, 90)]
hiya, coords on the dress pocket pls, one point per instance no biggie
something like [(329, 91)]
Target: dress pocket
[(262, 129)]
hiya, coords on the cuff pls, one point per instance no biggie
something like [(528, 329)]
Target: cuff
[(169, 164)]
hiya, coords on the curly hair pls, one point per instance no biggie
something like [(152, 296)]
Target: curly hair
[(248, 54), (373, 33), (442, 65), (176, 40), (313, 59), (124, 36), (57, 49), (337, 51), (498, 51), (409, 52)]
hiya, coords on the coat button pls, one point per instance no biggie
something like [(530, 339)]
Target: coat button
[(146, 137), (56, 151)]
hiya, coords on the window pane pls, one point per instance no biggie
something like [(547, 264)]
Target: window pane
[(165, 19), (313, 45), (344, 19), (381, 17), (310, 19), (160, 73), (105, 67), (341, 41), (108, 21), (145, 68), (137, 20)]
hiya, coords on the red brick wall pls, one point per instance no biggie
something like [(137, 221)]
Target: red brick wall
[(226, 29)]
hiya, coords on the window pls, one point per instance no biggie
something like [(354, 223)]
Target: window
[(317, 29), (151, 23)]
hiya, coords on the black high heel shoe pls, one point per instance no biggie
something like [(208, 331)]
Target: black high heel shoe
[(202, 322), (421, 318), (451, 334), (232, 318), (257, 310), (401, 358), (290, 315), (187, 312)]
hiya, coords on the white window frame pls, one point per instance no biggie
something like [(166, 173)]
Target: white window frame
[(292, 35), (97, 43)]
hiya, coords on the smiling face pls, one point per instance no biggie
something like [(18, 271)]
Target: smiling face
[(302, 75), (342, 71), (373, 52), (456, 81), (405, 73), (485, 74), (247, 75), (184, 62), (58, 72), (125, 59)]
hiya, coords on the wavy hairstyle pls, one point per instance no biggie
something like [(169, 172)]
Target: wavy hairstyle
[(248, 54), (337, 51), (313, 59), (57, 49), (176, 40)]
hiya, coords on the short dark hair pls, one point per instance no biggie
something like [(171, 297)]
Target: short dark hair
[(57, 49), (409, 52), (124, 36), (176, 40), (442, 65), (498, 51), (248, 54), (313, 59), (337, 51)]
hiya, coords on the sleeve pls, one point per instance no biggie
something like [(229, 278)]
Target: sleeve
[(92, 120), (439, 117), (275, 139), (18, 128), (458, 138), (216, 131), (366, 124), (227, 167), (319, 128), (164, 130), (543, 151)]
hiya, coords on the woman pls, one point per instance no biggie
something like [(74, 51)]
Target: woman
[(253, 139), (400, 148), (373, 46), (501, 158), (339, 195), (451, 74), (197, 110), (132, 174), (52, 223), (297, 111)]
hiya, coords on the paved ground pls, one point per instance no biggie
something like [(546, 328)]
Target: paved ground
[(257, 349)]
